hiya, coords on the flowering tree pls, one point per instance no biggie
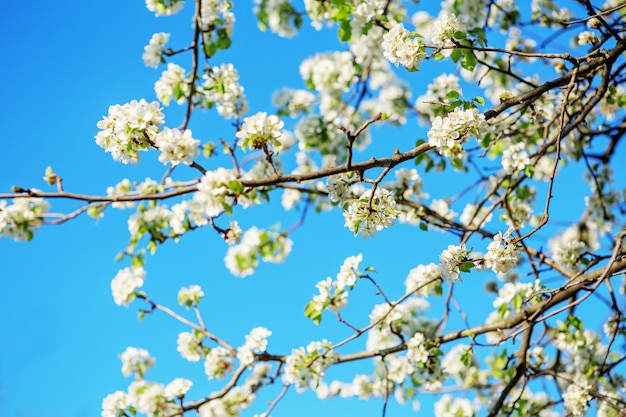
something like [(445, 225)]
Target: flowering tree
[(505, 122)]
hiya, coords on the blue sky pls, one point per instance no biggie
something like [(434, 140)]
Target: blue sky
[(63, 66)]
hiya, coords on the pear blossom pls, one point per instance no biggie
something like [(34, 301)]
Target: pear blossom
[(399, 48), (153, 52), (173, 84), (260, 130), (125, 284), (165, 7), (136, 360), (369, 214), (176, 146), (129, 128), (177, 388), (451, 259)]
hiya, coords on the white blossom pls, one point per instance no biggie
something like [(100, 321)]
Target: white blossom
[(369, 214), (188, 344), (576, 398), (399, 48), (416, 349), (129, 128), (176, 146), (259, 131), (190, 295), (115, 403), (502, 255), (136, 360), (445, 27), (165, 7), (451, 259), (177, 388), (173, 84), (515, 158), (218, 362), (221, 86), (20, 219), (153, 52), (125, 284)]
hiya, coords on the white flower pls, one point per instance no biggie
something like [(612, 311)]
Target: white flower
[(259, 131), (172, 85), (233, 233), (587, 38), (154, 50), (20, 219), (125, 283), (293, 101), (256, 342), (243, 259), (306, 367), (221, 86), (369, 214), (338, 189), (455, 127), (148, 397), (349, 271), (447, 407), (445, 27), (329, 72), (165, 7), (213, 191), (128, 129), (190, 295), (576, 398), (177, 388), (421, 275), (472, 216), (136, 360), (501, 255), (114, 403), (416, 349), (399, 48), (176, 146), (120, 189), (218, 362), (451, 259), (515, 158), (189, 346)]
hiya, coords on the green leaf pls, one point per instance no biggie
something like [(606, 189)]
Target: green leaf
[(456, 55), (311, 311), (345, 31), (452, 95), (210, 48), (141, 315), (469, 60), (479, 100), (466, 266), (423, 226)]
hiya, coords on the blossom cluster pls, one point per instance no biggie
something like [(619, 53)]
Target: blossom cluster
[(448, 132), (173, 84), (136, 360), (215, 191), (218, 363), (20, 219), (452, 260), (153, 52), (221, 87), (502, 255), (400, 48), (126, 283), (189, 296), (307, 367), (515, 158), (176, 146), (333, 292), (259, 131), (165, 7), (370, 213), (129, 128), (242, 259), (256, 342), (445, 27)]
